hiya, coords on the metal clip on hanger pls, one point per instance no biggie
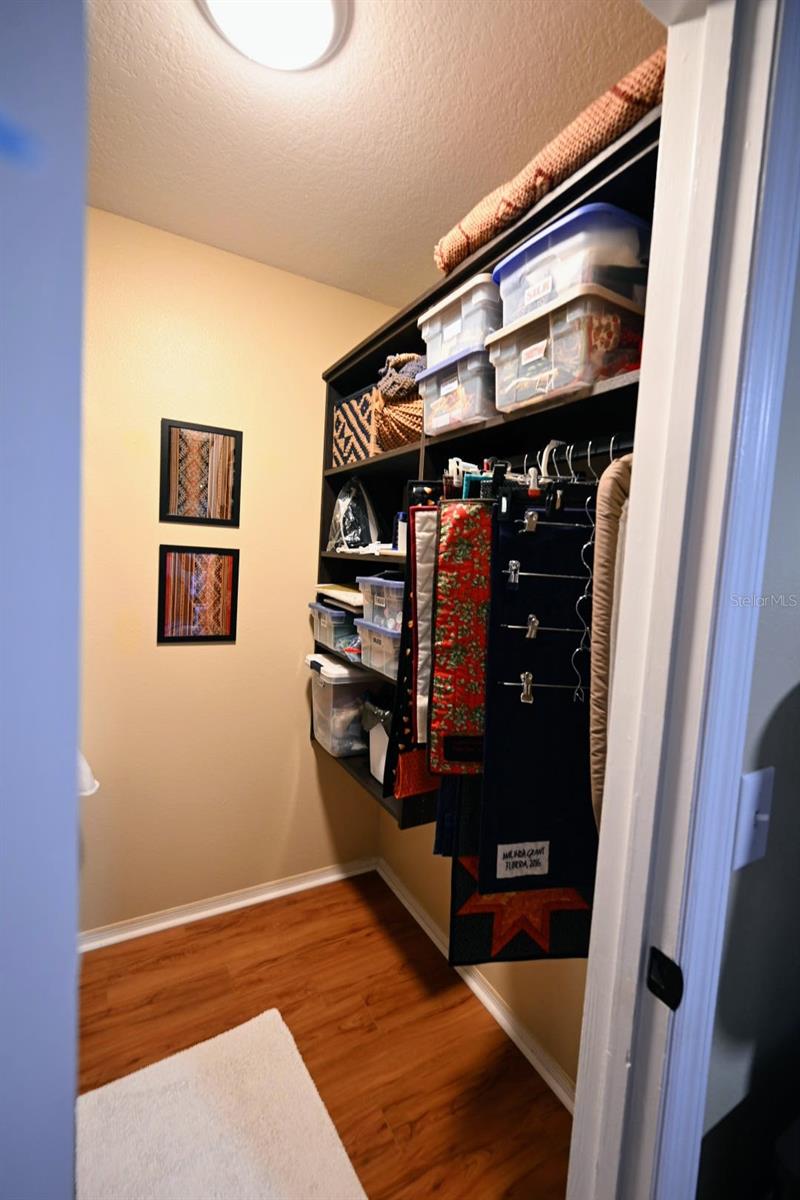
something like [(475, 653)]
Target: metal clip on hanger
[(530, 522), (527, 685), (533, 626), (515, 574)]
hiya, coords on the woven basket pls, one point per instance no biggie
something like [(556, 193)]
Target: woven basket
[(395, 423), (352, 429)]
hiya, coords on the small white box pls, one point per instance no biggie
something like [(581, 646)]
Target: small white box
[(378, 745)]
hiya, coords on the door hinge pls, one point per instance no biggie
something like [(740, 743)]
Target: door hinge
[(664, 978)]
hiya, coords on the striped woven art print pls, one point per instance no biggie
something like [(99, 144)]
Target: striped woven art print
[(197, 594), (201, 474)]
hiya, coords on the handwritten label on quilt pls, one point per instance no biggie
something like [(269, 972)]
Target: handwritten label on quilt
[(523, 858)]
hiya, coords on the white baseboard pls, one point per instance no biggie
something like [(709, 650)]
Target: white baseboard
[(551, 1072), (553, 1075), (122, 931)]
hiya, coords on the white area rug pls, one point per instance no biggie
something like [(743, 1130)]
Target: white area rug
[(234, 1118)]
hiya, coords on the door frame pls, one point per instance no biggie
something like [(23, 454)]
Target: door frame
[(726, 237)]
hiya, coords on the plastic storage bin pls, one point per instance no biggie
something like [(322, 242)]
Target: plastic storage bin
[(462, 319), (597, 244), (593, 336), (459, 391), (337, 694), (380, 648), (335, 628), (383, 600)]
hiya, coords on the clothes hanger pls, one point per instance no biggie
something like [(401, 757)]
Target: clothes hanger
[(515, 574), (526, 683), (533, 628)]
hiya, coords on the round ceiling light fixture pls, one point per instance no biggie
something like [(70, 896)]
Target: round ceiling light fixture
[(287, 35)]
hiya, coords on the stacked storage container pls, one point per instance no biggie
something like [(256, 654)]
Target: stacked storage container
[(458, 386), (573, 303), (383, 600), (336, 629), (337, 693)]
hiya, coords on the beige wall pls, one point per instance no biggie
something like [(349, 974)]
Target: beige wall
[(209, 783), (547, 997)]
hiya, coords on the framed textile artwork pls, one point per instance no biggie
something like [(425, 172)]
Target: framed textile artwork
[(201, 471), (197, 594)]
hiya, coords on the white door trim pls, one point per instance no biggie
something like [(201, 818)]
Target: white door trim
[(712, 138), (765, 350)]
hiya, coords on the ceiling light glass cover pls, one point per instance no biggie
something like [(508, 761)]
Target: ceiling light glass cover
[(287, 35)]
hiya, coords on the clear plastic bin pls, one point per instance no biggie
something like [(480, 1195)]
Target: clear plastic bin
[(383, 600), (462, 319), (459, 391), (597, 244), (337, 695), (335, 628), (593, 336), (380, 648)]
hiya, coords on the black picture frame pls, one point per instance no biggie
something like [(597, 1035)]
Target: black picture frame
[(163, 552), (168, 423)]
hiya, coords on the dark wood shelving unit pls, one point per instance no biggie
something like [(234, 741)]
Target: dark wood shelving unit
[(624, 175)]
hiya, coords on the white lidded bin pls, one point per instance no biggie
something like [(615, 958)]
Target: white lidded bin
[(337, 695), (596, 244), (335, 628), (459, 391), (593, 336), (380, 648), (383, 600), (462, 319)]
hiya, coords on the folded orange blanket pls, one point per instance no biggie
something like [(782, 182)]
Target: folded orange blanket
[(606, 119)]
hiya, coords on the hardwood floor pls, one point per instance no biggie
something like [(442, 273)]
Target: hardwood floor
[(428, 1094)]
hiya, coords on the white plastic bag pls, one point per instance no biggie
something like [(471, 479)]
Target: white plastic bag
[(353, 524)]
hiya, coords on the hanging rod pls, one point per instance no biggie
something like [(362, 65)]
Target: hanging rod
[(602, 448)]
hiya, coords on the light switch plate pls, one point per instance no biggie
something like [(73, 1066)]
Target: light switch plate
[(755, 809)]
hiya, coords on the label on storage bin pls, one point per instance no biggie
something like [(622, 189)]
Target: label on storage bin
[(379, 600), (451, 329), (449, 385), (533, 353), (539, 290), (523, 858)]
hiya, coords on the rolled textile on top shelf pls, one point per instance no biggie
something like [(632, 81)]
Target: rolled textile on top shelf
[(605, 119)]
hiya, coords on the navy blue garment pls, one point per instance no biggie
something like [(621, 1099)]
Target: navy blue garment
[(537, 828), (444, 842)]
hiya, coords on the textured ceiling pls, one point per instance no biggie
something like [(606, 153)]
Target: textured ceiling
[(350, 172)]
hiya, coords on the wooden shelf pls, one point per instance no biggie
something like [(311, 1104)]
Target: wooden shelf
[(547, 404), (412, 811), (378, 460), (623, 175), (344, 556)]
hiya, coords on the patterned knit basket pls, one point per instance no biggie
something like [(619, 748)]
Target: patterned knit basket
[(395, 423), (352, 429)]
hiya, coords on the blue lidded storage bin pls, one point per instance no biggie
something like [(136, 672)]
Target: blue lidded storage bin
[(457, 391), (596, 244), (380, 647)]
